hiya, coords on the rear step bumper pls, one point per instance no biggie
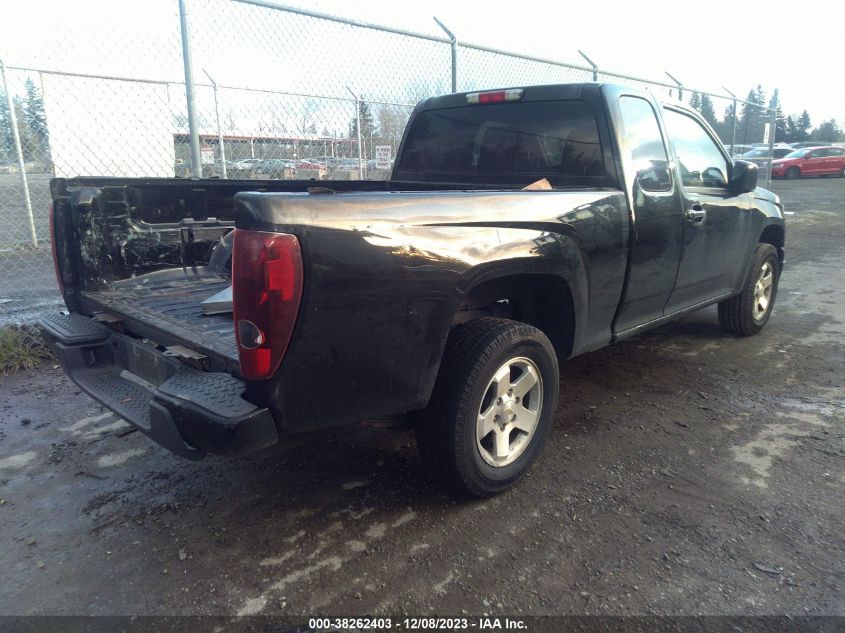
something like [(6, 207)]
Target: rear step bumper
[(188, 411)]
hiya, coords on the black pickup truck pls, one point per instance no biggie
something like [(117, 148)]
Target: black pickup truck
[(520, 227)]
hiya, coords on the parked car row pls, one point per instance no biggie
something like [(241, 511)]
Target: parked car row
[(280, 168), (316, 162), (826, 160), (761, 150), (13, 167), (795, 160)]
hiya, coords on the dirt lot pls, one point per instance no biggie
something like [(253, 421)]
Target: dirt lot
[(689, 473)]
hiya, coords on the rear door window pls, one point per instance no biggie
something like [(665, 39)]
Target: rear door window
[(505, 143), (644, 143)]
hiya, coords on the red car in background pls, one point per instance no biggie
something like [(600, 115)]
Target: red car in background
[(810, 161)]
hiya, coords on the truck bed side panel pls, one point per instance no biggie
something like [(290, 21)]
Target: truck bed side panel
[(385, 275)]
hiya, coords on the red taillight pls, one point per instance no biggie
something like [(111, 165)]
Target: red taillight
[(266, 290), (53, 249)]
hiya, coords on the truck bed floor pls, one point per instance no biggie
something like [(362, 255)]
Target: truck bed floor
[(175, 309)]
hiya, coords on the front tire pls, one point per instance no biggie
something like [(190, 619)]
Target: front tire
[(492, 406), (792, 173), (748, 312)]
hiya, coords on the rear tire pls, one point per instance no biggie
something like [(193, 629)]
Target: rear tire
[(792, 173), (748, 312), (483, 428)]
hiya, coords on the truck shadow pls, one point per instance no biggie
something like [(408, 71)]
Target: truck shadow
[(354, 496), (351, 469)]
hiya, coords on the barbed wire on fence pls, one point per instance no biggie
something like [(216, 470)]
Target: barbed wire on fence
[(279, 92)]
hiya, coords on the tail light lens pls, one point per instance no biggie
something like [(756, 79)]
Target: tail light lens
[(266, 291)]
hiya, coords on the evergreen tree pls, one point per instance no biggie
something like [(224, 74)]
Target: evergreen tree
[(36, 121), (30, 144), (708, 112), (802, 130), (367, 127), (781, 133), (726, 127), (827, 132), (750, 128), (7, 147), (791, 135), (695, 101)]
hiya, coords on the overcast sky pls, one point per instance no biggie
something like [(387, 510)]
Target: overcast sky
[(706, 45)]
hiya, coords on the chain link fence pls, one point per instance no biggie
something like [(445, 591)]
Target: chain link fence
[(278, 92)]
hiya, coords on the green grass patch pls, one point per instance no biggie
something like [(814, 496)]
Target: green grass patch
[(21, 347)]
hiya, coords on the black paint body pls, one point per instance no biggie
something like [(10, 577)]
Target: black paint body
[(390, 267)]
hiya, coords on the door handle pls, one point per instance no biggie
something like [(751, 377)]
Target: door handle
[(696, 214)]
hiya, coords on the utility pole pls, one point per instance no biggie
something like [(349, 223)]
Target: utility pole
[(733, 132), (358, 126), (454, 42), (16, 138), (591, 63), (680, 87), (773, 124), (219, 133), (196, 164)]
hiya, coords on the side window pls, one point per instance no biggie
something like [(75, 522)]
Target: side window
[(645, 144), (701, 163), (836, 152)]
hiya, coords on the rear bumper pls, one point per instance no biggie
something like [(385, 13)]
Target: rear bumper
[(188, 411)]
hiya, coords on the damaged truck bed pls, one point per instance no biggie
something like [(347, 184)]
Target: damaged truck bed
[(172, 310)]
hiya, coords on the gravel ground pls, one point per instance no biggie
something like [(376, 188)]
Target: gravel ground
[(689, 472)]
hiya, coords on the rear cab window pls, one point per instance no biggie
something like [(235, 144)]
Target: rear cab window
[(506, 143)]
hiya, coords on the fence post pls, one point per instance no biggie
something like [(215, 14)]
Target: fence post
[(13, 121), (454, 41), (773, 122), (680, 87), (733, 131), (358, 127), (219, 132), (196, 164), (590, 62)]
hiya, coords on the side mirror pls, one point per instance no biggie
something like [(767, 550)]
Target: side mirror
[(743, 177)]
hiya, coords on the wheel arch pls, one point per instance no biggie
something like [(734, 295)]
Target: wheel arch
[(774, 234), (544, 300)]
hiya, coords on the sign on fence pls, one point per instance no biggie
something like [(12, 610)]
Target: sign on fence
[(383, 157)]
